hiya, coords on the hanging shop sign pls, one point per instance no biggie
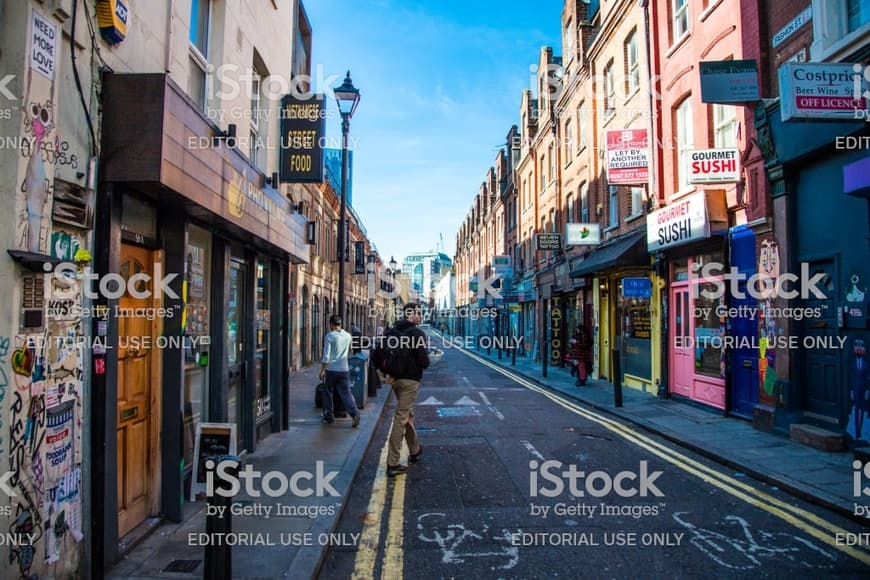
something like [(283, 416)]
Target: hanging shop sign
[(112, 17), (729, 81), (627, 156), (582, 234), (556, 346), (714, 166), (679, 223), (502, 266), (548, 241), (303, 123), (823, 91)]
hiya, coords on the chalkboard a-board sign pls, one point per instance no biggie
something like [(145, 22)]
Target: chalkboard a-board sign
[(212, 440)]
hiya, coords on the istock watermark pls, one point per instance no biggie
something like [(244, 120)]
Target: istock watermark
[(110, 286), (221, 480), (595, 483), (710, 282)]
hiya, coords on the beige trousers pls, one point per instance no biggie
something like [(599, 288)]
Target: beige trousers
[(403, 421)]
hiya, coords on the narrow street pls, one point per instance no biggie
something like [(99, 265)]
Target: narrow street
[(466, 509)]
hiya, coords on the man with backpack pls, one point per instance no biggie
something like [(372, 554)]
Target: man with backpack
[(402, 356)]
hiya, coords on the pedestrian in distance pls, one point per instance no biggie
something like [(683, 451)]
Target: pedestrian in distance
[(403, 359), (580, 354), (335, 372)]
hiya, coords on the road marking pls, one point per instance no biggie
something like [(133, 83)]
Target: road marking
[(367, 553), (490, 406), (393, 567), (456, 534), (466, 400), (532, 449), (431, 401), (728, 484)]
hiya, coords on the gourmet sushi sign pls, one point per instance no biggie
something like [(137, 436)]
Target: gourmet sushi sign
[(714, 166), (681, 222)]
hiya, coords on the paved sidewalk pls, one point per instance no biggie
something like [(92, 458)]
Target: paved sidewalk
[(820, 477), (307, 441)]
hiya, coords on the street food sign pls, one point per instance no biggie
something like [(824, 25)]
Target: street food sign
[(627, 156), (729, 81), (303, 123), (681, 222), (714, 166), (548, 241), (582, 234), (811, 90)]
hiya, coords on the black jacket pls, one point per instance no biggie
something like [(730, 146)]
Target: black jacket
[(419, 356)]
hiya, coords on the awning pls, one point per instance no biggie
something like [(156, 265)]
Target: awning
[(629, 250)]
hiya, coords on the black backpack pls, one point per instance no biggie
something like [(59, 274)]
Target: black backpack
[(394, 354)]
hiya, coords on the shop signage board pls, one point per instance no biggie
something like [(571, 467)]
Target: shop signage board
[(548, 241), (636, 288), (43, 45), (582, 234), (729, 81), (834, 91), (502, 264), (627, 156), (213, 440), (714, 166), (112, 17), (556, 346), (303, 123), (679, 223)]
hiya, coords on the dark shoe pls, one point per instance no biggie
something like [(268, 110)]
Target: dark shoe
[(355, 422), (415, 457), (394, 470), (327, 420)]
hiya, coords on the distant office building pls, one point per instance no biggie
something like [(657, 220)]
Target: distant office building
[(332, 163), (424, 271)]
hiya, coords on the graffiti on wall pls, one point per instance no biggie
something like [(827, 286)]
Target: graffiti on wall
[(769, 265), (45, 443)]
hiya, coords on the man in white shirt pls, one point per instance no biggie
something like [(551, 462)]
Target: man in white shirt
[(335, 371)]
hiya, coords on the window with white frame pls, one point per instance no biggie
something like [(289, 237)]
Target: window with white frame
[(685, 140), (553, 167), (631, 62), (725, 126), (553, 221), (614, 205), (569, 208), (543, 172), (637, 195), (680, 18), (609, 90), (200, 21), (582, 130), (569, 41), (584, 203), (256, 135), (569, 141)]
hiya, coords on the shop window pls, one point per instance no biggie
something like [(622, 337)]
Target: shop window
[(262, 325), (858, 14), (196, 333), (709, 330)]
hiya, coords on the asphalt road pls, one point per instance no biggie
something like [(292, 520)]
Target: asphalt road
[(470, 508)]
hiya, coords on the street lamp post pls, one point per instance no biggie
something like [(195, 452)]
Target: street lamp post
[(347, 97), (393, 266)]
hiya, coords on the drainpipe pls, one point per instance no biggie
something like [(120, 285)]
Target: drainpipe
[(170, 8)]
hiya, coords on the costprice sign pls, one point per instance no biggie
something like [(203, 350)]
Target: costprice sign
[(628, 156), (822, 91), (714, 166)]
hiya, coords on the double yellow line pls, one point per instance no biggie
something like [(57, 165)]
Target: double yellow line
[(393, 563), (810, 523)]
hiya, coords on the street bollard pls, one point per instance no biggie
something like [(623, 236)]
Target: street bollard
[(500, 346), (513, 355), (617, 378), (218, 564)]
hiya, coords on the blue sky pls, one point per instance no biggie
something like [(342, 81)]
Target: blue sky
[(440, 84)]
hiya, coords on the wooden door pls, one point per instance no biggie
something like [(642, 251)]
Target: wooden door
[(135, 343)]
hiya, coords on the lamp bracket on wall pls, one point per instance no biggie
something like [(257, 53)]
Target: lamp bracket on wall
[(229, 136)]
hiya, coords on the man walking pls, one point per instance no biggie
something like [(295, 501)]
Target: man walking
[(335, 371), (411, 357)]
